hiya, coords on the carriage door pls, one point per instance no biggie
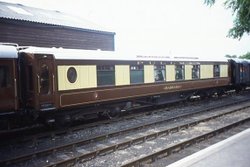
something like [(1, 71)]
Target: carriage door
[(45, 83), (8, 85)]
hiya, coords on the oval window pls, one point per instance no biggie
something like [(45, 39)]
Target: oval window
[(72, 75)]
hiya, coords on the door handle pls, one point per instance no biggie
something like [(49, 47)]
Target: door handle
[(38, 84), (15, 87), (53, 83)]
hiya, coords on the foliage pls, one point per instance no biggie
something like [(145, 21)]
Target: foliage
[(230, 56), (241, 10), (245, 56)]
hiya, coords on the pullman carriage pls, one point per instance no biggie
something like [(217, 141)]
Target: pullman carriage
[(65, 78), (50, 80), (240, 73), (8, 79)]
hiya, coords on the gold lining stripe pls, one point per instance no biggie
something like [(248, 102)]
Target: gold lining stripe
[(174, 90)]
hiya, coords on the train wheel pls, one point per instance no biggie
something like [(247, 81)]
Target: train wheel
[(114, 112)]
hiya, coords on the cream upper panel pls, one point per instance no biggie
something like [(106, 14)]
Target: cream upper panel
[(149, 73), (188, 72), (206, 71), (86, 77), (122, 75), (170, 72), (224, 70)]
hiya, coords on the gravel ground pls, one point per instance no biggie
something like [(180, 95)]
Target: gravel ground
[(17, 149), (13, 150), (117, 158), (197, 147)]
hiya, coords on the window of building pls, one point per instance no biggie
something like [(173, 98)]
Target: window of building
[(179, 72), (159, 73), (196, 72), (4, 76), (216, 71), (105, 75), (136, 74)]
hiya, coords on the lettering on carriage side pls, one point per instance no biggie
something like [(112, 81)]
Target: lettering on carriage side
[(171, 87)]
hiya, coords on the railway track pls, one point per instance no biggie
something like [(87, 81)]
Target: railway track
[(168, 150), (199, 146), (35, 133), (23, 134), (85, 150)]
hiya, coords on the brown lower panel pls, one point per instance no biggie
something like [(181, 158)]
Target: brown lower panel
[(86, 97)]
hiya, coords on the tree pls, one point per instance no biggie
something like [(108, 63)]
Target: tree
[(230, 56), (241, 10), (245, 56)]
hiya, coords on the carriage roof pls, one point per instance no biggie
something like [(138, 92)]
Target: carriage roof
[(77, 54), (10, 51)]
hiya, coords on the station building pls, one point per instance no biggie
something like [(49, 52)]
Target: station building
[(28, 26)]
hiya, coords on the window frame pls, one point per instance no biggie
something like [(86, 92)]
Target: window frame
[(136, 68), (6, 81), (162, 70), (216, 74), (72, 75), (105, 68), (182, 72), (195, 67), (44, 79)]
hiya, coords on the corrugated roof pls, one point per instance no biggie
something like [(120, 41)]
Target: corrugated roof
[(30, 14)]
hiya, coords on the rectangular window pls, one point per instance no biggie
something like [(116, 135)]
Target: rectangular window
[(4, 76), (216, 71), (159, 73), (136, 74), (179, 72), (105, 75), (196, 72)]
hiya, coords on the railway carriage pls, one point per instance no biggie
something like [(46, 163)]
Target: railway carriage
[(8, 80), (240, 73), (54, 80)]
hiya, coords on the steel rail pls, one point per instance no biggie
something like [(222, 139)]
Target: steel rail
[(50, 134), (36, 137), (22, 132), (170, 149), (123, 145), (116, 133)]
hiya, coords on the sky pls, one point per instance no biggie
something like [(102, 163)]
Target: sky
[(158, 27)]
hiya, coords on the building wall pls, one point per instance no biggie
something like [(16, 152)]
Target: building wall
[(35, 34)]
